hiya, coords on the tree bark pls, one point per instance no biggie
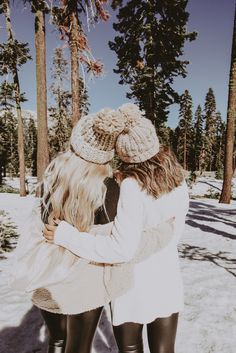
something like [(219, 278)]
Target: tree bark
[(185, 150), (20, 132), (74, 64), (42, 126), (151, 114), (230, 125)]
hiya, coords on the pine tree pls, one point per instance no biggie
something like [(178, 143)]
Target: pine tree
[(73, 34), (185, 129), (60, 112), (9, 161), (67, 18), (198, 142), (13, 55), (210, 128), (149, 46), (171, 138), (31, 146), (164, 134), (218, 161), (40, 8), (230, 148), (12, 166)]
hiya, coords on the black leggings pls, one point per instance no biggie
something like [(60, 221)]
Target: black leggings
[(71, 333), (161, 336)]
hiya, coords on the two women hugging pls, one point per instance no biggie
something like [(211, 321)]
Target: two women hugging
[(98, 236)]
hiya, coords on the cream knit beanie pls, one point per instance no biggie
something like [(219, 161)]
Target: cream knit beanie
[(138, 141), (93, 137)]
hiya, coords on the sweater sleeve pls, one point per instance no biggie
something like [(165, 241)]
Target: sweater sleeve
[(125, 237)]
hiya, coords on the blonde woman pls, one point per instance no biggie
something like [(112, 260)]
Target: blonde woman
[(69, 290), (152, 190)]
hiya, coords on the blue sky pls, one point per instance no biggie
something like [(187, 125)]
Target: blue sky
[(209, 56)]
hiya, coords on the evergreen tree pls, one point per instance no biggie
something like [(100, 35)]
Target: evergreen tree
[(12, 166), (40, 8), (61, 111), (210, 128), (165, 135), (230, 140), (13, 55), (9, 161), (31, 146), (185, 132), (175, 139), (149, 47), (218, 161), (171, 138), (198, 142), (67, 18)]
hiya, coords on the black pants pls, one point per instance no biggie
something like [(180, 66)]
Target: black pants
[(71, 333), (74, 333), (161, 336)]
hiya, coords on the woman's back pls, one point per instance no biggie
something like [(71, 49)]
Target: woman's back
[(157, 289), (174, 204)]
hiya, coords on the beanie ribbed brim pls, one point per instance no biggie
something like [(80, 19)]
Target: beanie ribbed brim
[(139, 158), (90, 154)]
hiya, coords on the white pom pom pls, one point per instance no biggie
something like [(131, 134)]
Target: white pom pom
[(108, 122), (130, 110)]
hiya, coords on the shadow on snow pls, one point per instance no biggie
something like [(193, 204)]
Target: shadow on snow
[(200, 211), (203, 212), (221, 259), (26, 338)]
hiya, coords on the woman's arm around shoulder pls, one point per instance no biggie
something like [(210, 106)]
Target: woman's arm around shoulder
[(125, 236)]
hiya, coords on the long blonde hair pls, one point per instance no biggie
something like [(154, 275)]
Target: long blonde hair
[(158, 175), (73, 189)]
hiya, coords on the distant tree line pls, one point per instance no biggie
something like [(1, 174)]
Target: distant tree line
[(199, 138)]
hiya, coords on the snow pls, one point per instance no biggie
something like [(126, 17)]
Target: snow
[(31, 183), (209, 185), (208, 251), (208, 262)]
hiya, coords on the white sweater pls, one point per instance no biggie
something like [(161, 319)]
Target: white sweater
[(126, 231), (157, 280)]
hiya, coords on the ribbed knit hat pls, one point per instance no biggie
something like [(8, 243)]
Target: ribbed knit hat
[(138, 141), (93, 137)]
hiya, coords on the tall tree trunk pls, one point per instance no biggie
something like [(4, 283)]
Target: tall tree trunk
[(185, 150), (42, 128), (20, 133), (1, 170), (150, 107), (74, 63), (21, 153), (230, 125)]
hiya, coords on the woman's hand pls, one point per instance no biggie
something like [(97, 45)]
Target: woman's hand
[(49, 231)]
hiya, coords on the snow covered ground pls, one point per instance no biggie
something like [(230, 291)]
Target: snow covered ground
[(208, 261), (209, 186)]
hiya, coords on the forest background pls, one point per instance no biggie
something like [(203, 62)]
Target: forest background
[(50, 77)]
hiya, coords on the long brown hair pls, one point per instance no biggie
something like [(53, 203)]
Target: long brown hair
[(158, 175)]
